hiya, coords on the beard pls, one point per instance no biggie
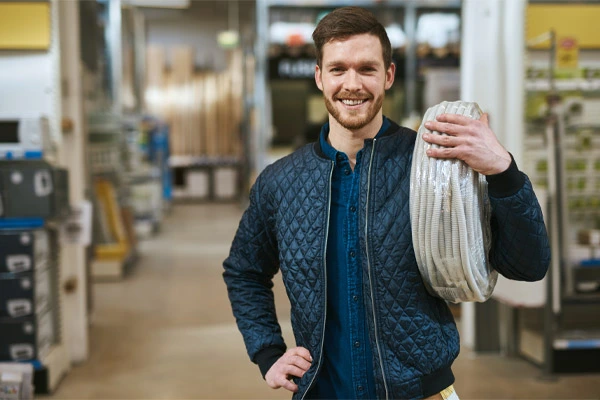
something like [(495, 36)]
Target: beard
[(351, 119)]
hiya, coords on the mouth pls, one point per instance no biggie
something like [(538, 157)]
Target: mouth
[(353, 102)]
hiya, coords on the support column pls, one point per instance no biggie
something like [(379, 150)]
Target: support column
[(72, 156)]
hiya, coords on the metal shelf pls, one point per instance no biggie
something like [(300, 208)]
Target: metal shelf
[(563, 85), (204, 161), (577, 340)]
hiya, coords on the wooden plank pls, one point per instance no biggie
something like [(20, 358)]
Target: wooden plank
[(155, 80), (237, 91), (206, 117), (182, 70), (169, 99), (210, 97), (196, 116), (224, 118)]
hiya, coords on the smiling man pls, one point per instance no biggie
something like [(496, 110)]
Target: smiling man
[(334, 218)]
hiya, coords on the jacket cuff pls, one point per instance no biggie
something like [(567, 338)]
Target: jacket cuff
[(267, 357), (506, 183)]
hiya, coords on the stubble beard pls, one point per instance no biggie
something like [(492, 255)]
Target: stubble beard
[(353, 122)]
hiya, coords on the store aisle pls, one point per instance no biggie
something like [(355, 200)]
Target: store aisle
[(166, 331)]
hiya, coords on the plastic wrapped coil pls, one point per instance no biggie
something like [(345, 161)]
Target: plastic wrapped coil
[(450, 216)]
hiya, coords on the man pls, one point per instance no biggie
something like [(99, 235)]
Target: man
[(334, 218)]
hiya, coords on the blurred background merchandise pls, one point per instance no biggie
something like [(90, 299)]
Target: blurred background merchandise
[(132, 130)]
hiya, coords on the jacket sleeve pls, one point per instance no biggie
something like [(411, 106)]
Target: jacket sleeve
[(248, 274), (520, 247)]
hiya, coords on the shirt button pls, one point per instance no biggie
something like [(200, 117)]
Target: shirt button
[(352, 208), (347, 172), (340, 157), (352, 254), (360, 388), (357, 344), (355, 298)]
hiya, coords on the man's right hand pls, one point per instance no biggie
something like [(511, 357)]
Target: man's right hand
[(295, 362)]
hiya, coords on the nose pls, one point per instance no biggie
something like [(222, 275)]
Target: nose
[(352, 81)]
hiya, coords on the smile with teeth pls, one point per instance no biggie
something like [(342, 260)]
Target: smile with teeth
[(352, 102)]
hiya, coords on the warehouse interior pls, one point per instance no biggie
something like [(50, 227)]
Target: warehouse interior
[(131, 132)]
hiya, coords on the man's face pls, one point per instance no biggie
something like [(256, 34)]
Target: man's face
[(353, 79)]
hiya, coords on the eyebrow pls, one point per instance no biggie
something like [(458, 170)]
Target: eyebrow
[(361, 63)]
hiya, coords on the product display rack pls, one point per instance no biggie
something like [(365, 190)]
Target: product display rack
[(114, 250), (39, 91), (51, 367), (51, 361), (562, 144)]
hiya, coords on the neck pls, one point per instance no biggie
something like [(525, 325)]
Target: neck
[(351, 141)]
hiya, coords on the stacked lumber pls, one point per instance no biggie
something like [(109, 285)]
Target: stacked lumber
[(204, 109)]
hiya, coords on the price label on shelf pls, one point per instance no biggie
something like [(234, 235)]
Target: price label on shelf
[(77, 229)]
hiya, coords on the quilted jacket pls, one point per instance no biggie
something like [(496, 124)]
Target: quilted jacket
[(413, 334)]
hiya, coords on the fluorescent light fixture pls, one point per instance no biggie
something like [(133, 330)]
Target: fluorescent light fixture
[(228, 39), (160, 3)]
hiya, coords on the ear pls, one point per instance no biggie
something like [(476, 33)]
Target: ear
[(318, 77), (390, 75)]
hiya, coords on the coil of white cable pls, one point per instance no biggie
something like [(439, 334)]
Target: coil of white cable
[(450, 216)]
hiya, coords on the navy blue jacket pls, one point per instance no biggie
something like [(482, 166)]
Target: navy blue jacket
[(413, 334)]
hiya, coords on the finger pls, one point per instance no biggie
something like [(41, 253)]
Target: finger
[(442, 140), (485, 119), (299, 362), (289, 385), (303, 352), (455, 119), (294, 371), (448, 128), (444, 152)]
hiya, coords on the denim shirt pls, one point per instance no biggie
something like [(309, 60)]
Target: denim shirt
[(347, 371)]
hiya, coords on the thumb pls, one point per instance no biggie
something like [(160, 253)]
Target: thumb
[(485, 119)]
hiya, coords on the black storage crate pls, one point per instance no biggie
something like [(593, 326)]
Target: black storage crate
[(23, 251), (24, 339), (32, 189)]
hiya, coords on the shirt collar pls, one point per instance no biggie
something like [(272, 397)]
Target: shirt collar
[(330, 152)]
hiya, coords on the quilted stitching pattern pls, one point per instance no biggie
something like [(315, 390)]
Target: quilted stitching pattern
[(416, 342), (286, 226), (525, 253)]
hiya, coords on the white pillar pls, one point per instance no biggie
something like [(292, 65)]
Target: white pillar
[(73, 150), (492, 74)]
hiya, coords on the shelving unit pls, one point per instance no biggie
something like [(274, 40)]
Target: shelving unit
[(565, 339), (562, 144), (207, 178), (43, 82)]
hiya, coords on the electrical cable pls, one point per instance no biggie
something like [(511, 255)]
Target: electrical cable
[(450, 218)]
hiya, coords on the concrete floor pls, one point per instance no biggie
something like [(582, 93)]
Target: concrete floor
[(166, 331)]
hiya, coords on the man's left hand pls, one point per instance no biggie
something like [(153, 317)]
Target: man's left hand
[(469, 140)]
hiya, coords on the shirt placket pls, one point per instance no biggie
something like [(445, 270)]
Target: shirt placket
[(350, 191)]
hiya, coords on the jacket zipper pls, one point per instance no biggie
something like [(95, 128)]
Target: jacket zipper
[(370, 271), (312, 381)]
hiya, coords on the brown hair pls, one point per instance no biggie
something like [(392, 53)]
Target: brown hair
[(344, 22)]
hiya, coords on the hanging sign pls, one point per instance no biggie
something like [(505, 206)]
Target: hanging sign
[(24, 25), (292, 68), (567, 53)]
